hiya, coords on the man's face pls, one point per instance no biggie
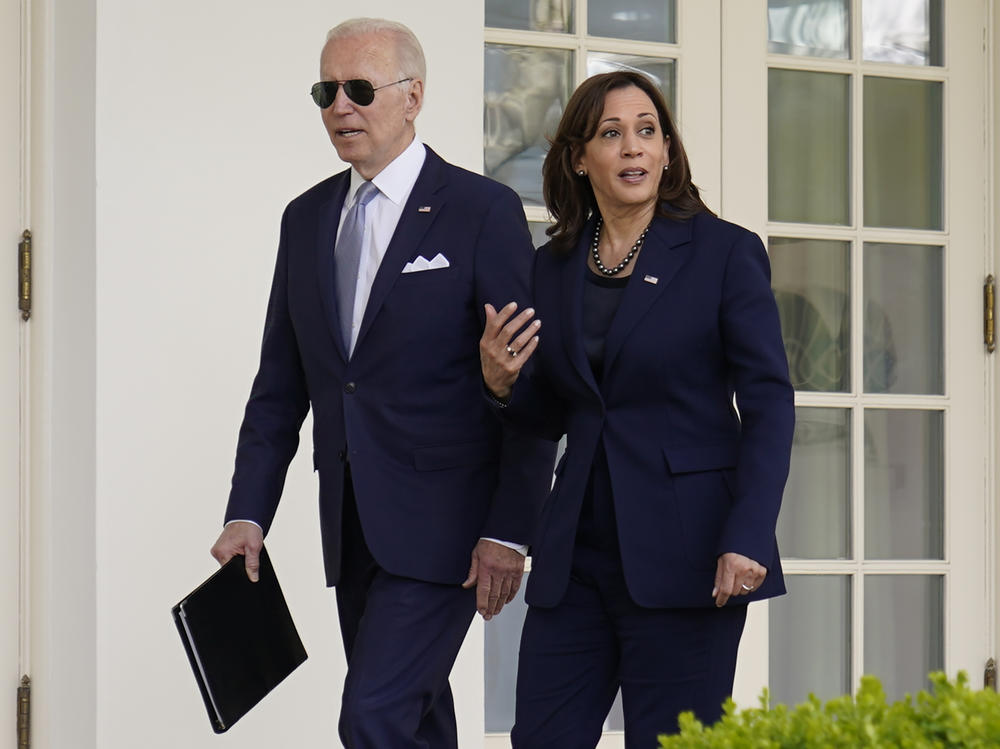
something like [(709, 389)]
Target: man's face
[(369, 137)]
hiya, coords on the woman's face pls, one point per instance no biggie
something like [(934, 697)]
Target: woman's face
[(624, 160)]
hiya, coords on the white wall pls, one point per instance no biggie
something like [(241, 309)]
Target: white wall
[(204, 131)]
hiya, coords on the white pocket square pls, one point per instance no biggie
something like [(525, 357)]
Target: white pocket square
[(421, 263)]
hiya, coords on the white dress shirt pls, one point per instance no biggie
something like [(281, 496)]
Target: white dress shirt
[(394, 183)]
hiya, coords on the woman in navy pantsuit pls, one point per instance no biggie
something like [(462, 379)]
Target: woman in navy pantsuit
[(661, 360)]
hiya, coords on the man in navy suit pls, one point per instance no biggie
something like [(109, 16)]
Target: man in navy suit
[(376, 308)]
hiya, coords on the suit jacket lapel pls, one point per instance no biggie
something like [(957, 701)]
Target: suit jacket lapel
[(326, 238), (574, 270), (667, 248), (413, 225)]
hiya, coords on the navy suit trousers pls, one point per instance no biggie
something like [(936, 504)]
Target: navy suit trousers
[(575, 656), (401, 637)]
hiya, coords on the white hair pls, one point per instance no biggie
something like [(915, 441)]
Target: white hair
[(409, 53)]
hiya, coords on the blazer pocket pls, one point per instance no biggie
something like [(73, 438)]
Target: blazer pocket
[(693, 458), (703, 496), (427, 276), (441, 457)]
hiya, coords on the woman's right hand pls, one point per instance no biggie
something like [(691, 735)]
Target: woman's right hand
[(502, 350)]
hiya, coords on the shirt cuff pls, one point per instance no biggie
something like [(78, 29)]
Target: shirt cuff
[(239, 520), (521, 549)]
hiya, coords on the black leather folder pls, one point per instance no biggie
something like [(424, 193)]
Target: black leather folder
[(240, 639)]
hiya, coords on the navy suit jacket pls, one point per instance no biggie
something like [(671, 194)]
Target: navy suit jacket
[(432, 467), (692, 477)]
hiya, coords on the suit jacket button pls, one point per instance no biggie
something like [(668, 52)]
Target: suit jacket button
[(350, 387)]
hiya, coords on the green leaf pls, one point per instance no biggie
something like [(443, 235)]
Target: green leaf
[(950, 715)]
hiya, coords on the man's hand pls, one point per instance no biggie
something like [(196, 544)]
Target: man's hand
[(496, 572), (736, 575), (240, 538)]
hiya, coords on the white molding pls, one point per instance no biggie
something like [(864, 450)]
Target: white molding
[(991, 95), (61, 367)]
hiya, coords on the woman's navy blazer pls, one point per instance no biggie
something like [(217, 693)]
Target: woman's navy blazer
[(694, 408)]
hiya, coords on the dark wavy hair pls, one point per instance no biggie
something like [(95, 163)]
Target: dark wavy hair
[(569, 197)]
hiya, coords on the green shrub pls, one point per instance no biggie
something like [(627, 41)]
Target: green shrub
[(953, 715)]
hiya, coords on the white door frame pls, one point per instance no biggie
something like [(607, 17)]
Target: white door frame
[(992, 408), (13, 661), (61, 397), (970, 538)]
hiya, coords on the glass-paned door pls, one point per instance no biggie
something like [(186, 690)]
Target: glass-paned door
[(850, 135), (874, 223)]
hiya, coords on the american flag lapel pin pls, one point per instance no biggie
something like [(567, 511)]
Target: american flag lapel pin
[(424, 209), (651, 279)]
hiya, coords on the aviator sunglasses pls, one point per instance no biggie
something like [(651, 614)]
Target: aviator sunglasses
[(358, 90)]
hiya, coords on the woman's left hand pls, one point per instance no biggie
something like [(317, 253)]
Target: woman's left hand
[(736, 575)]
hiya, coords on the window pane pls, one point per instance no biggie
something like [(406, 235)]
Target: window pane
[(615, 720), (530, 15), (660, 70), (818, 28), (810, 638), (904, 484), (503, 641), (907, 32), (815, 519), (526, 89), (904, 630), (641, 20), (811, 279), (903, 303), (538, 235), (903, 153), (808, 126)]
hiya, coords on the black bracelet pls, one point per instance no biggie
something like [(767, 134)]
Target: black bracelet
[(496, 401)]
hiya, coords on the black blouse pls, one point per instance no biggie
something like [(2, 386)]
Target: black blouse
[(601, 297)]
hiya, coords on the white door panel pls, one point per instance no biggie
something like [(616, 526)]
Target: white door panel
[(10, 230), (876, 226)]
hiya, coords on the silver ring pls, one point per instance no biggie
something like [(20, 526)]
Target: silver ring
[(511, 351), (746, 587)]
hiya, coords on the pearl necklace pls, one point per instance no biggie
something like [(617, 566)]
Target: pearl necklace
[(628, 258)]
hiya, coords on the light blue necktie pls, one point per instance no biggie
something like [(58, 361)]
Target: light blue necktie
[(347, 259)]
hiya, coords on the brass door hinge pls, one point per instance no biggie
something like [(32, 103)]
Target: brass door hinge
[(24, 275), (989, 313), (990, 675), (24, 714)]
